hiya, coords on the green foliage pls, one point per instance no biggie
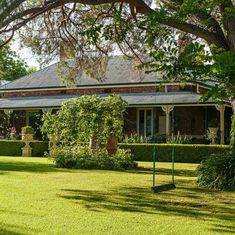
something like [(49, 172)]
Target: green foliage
[(80, 118), (11, 66), (135, 138), (188, 153), (5, 125), (39, 148), (14, 148), (218, 172), (11, 147), (182, 57), (194, 62), (178, 139), (27, 130), (232, 134), (31, 69), (212, 136), (79, 157)]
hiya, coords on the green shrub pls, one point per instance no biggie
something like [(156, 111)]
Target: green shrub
[(179, 139), (27, 130), (218, 172), (232, 134), (188, 153), (39, 148), (135, 138), (11, 147), (14, 148), (78, 157)]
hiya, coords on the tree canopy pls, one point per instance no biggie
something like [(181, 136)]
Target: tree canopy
[(192, 38), (211, 20), (11, 65), (86, 117)]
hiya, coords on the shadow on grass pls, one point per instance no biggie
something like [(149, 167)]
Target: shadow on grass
[(164, 171), (8, 229), (27, 167), (50, 167), (8, 232), (177, 202), (224, 229)]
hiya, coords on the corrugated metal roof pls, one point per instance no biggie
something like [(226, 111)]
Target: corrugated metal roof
[(132, 99), (119, 71)]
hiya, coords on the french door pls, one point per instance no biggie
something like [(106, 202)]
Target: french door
[(145, 122)]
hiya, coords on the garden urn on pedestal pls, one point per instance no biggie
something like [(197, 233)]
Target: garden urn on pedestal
[(27, 137), (213, 130)]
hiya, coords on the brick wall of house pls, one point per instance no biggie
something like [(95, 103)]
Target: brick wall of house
[(79, 91), (190, 120), (130, 121), (98, 90)]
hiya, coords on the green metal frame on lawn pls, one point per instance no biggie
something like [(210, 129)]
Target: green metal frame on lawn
[(164, 187)]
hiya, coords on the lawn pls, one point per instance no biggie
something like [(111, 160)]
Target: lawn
[(36, 198)]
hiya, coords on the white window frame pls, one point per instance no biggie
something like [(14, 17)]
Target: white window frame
[(145, 115)]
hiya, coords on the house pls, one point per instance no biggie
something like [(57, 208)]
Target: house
[(155, 106)]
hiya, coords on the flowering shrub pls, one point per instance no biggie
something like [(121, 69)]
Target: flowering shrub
[(80, 157)]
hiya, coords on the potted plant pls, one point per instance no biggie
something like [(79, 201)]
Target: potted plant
[(27, 133)]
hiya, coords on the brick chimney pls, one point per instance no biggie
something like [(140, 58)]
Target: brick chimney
[(65, 51)]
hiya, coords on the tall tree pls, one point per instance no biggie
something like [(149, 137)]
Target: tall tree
[(11, 65), (195, 38)]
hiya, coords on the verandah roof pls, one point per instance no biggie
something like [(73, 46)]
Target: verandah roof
[(133, 99)]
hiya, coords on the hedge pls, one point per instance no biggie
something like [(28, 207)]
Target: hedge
[(39, 148), (14, 148), (187, 153)]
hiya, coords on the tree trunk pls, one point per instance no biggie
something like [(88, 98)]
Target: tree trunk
[(112, 144), (92, 142)]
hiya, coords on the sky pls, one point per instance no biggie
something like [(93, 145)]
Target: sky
[(25, 53)]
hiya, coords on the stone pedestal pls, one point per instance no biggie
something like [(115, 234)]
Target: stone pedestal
[(26, 151)]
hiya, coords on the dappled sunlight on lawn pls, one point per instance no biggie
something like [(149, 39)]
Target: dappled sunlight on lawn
[(37, 198)]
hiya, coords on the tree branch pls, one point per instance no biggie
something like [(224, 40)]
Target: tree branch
[(140, 5)]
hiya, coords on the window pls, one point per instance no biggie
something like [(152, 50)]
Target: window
[(145, 122)]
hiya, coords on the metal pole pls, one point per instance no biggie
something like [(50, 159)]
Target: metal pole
[(154, 166), (173, 165)]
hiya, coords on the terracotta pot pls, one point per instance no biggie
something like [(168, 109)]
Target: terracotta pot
[(112, 145)]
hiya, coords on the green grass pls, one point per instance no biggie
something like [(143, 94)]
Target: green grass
[(36, 198)]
